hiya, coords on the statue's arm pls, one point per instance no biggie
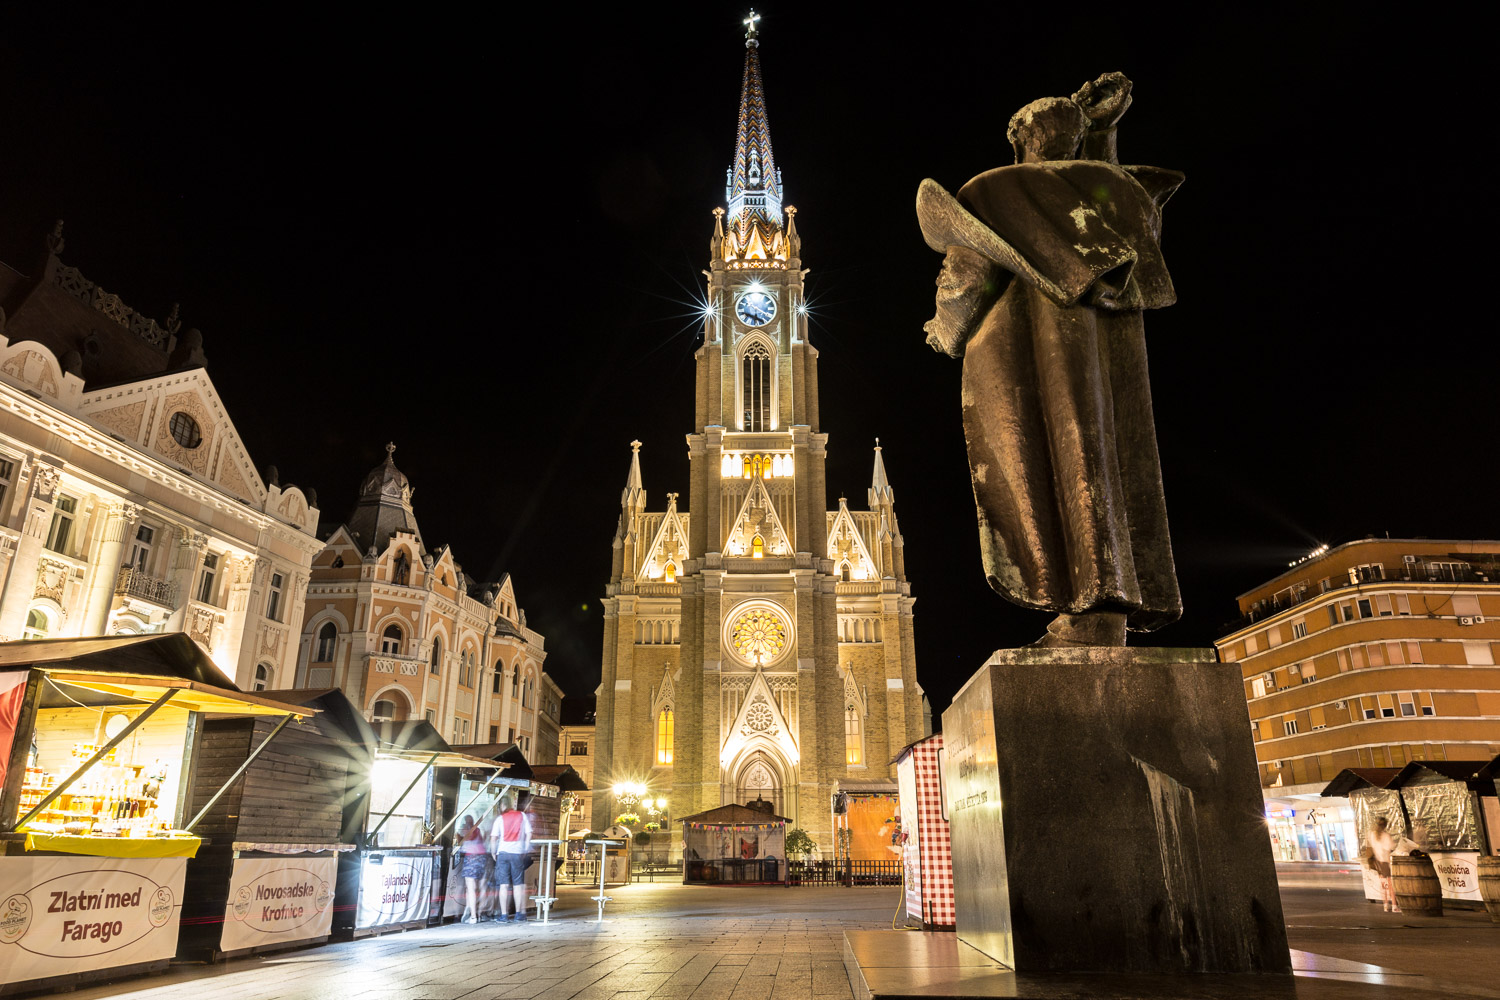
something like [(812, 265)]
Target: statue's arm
[(1105, 101)]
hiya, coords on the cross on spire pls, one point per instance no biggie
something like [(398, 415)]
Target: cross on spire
[(750, 23)]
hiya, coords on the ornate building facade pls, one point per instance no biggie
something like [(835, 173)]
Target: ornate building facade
[(760, 646), (128, 503), (407, 635)]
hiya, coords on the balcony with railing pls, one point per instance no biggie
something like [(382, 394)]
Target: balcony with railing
[(1432, 572), (134, 583), (393, 663)]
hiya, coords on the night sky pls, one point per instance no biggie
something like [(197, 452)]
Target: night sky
[(481, 236)]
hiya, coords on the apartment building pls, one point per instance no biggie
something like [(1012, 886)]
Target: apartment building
[(1371, 654)]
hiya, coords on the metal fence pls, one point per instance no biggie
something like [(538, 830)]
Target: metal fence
[(844, 873)]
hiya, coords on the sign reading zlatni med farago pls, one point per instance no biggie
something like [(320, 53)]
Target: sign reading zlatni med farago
[(68, 915), (278, 900)]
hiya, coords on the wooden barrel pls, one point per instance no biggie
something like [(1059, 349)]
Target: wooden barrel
[(1489, 886), (1415, 884)]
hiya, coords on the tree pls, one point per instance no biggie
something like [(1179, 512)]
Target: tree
[(800, 844)]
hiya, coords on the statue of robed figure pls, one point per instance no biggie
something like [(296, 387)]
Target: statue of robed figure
[(1050, 264)]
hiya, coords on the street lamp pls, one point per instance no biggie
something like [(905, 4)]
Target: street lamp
[(627, 795)]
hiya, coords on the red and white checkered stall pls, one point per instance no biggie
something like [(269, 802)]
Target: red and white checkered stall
[(927, 851)]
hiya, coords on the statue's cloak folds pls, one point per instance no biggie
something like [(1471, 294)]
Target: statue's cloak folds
[(1056, 395)]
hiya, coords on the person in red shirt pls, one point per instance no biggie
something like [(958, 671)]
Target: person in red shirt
[(510, 843)]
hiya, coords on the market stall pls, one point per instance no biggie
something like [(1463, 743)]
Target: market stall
[(99, 740), (406, 812), (734, 845), (866, 821), (1371, 795), (266, 881), (927, 850), (1452, 808)]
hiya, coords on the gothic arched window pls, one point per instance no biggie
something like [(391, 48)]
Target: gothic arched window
[(664, 736), (757, 547), (328, 637), (437, 656), (853, 736), (495, 679), (755, 387)]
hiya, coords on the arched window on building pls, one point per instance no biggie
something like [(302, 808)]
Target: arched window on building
[(401, 569), (384, 711), (757, 547), (755, 387), (515, 684), (495, 680), (853, 736), (328, 637), (390, 640), (437, 656), (669, 575), (844, 573), (664, 736), (37, 624), (263, 675)]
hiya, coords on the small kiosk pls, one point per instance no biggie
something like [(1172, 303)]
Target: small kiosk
[(734, 845), (867, 821), (405, 812), (927, 851), (266, 880), (1454, 818), (1371, 795), (99, 741)]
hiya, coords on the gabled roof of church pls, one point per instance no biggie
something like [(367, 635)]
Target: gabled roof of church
[(845, 541), (384, 505)]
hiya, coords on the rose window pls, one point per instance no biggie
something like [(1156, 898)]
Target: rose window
[(758, 717), (759, 635)]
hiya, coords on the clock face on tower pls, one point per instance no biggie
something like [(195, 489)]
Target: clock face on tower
[(755, 309)]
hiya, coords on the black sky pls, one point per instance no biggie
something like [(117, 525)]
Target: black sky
[(479, 235)]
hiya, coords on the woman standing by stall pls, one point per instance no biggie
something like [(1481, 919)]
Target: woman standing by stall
[(1381, 845), (510, 841), (473, 855)]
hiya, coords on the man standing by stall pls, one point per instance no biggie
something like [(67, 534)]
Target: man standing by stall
[(510, 842)]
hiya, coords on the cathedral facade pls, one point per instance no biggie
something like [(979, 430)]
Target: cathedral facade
[(757, 644)]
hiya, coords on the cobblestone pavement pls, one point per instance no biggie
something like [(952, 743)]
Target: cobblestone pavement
[(662, 941)]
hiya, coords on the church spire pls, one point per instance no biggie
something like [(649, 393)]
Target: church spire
[(753, 188), (635, 491), (880, 486)]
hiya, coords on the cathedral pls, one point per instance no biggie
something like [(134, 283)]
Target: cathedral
[(757, 645)]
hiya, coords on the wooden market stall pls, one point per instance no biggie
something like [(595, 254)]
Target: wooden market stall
[(867, 821), (734, 845), (99, 739), (1454, 818), (406, 821), (266, 881)]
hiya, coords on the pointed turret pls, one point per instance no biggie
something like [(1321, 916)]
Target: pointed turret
[(632, 503), (753, 184), (880, 486), (384, 505), (634, 494)]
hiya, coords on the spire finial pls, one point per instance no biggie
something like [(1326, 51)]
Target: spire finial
[(635, 447), (750, 24), (390, 450), (753, 190)]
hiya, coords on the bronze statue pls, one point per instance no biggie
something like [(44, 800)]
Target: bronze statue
[(1049, 265)]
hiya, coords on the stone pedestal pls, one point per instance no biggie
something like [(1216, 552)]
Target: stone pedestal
[(1106, 815)]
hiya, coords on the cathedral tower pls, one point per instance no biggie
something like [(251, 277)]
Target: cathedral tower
[(760, 646)]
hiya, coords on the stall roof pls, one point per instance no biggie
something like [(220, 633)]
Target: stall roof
[(508, 752), (562, 775), (172, 653), (913, 744), (438, 758), (1452, 770), (336, 711), (191, 695), (733, 815), (1354, 778), (866, 787)]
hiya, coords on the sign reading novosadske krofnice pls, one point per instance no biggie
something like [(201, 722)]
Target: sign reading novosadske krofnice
[(278, 900)]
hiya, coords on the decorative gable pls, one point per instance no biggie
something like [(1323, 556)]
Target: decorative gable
[(181, 418), (34, 367), (759, 721), (668, 550), (846, 547), (757, 522)]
